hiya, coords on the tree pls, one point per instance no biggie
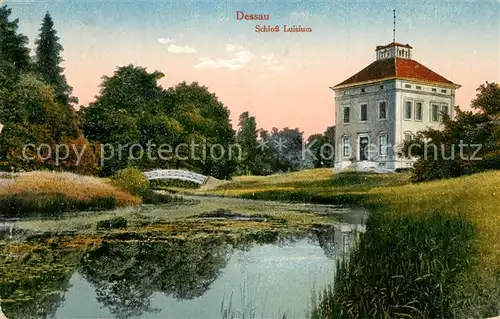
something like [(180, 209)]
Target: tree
[(467, 144), (247, 139), (48, 61), (487, 101), (132, 109), (31, 116), (264, 154), (13, 48)]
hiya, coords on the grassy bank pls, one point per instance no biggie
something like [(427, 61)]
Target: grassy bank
[(53, 193), (431, 250)]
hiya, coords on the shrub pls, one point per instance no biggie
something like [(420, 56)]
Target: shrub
[(132, 180), (151, 197)]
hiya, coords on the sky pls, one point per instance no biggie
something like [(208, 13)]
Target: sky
[(282, 79)]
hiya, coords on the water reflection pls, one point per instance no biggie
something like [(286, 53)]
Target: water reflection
[(125, 275), (175, 277)]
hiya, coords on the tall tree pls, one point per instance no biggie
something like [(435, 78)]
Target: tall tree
[(13, 48), (133, 109), (48, 61), (247, 139)]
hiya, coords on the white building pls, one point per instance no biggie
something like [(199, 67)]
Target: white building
[(391, 99)]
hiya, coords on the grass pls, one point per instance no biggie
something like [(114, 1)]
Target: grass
[(51, 192), (409, 222), (319, 186)]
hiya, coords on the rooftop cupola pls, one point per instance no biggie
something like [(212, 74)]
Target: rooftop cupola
[(393, 50)]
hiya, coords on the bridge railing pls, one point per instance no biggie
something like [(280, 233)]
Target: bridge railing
[(176, 174)]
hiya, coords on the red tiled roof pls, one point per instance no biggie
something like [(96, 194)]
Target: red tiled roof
[(393, 44), (396, 68)]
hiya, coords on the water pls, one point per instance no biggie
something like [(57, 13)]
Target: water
[(258, 275)]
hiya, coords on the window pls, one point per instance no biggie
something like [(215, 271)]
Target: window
[(382, 144), (408, 86), (362, 90), (443, 91), (434, 113), (347, 146), (382, 87), (418, 111), (418, 87), (382, 110), (347, 114), (364, 112), (444, 110), (433, 90), (408, 110), (346, 92)]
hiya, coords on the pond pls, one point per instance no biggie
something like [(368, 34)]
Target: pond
[(261, 274)]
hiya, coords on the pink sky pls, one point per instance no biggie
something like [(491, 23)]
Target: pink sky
[(295, 94), (281, 79)]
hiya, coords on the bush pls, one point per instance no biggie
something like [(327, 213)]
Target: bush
[(132, 180), (150, 197)]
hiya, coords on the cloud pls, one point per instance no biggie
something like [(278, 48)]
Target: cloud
[(165, 40), (272, 62), (181, 49), (233, 47), (242, 57)]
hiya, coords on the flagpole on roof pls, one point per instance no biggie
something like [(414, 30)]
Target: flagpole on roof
[(394, 28)]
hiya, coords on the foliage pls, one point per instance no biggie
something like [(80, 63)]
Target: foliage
[(467, 144), (132, 180), (247, 139), (279, 151), (321, 149), (133, 110), (30, 110), (13, 45), (48, 60)]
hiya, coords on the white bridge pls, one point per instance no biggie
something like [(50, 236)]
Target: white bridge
[(176, 174)]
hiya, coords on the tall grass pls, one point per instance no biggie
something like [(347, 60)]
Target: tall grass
[(403, 267), (51, 193)]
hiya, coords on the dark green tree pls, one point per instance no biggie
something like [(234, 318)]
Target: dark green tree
[(133, 109), (247, 139), (48, 61), (13, 48)]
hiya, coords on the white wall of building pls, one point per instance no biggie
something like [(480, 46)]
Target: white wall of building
[(395, 93)]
